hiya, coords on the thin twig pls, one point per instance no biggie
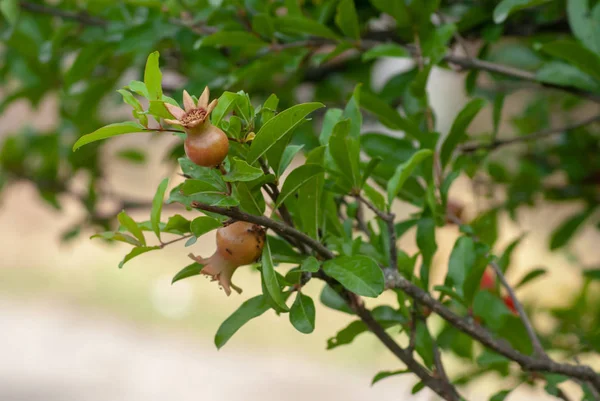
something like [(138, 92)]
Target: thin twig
[(82, 17), (538, 349), (163, 244), (395, 280), (391, 228), (536, 135)]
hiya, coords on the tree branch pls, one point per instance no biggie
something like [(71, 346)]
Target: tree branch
[(536, 135), (82, 17), (395, 280)]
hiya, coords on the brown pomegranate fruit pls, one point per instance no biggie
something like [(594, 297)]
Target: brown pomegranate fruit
[(238, 244), (206, 145)]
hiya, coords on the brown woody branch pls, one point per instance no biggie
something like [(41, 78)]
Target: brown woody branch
[(395, 280), (438, 385), (525, 138)]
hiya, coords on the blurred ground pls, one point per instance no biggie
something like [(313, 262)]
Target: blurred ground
[(74, 327)]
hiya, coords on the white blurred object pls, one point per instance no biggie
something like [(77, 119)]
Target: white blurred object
[(169, 301)]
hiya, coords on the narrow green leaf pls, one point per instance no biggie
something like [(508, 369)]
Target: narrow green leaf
[(10, 10), (347, 334), (359, 274), (345, 151), (310, 197), (435, 44), (388, 116), (269, 108), (385, 50), (500, 395), (461, 262), (332, 116), (532, 275), (567, 229), (107, 132), (373, 163), (136, 252), (138, 87), (242, 171), (505, 259), (302, 314), (385, 374), (507, 7), (459, 127), (577, 55), (395, 8), (347, 19), (424, 343), (561, 73), (133, 155), (297, 178), (374, 196), (251, 198), (426, 240), (249, 310), (157, 204), (203, 224), (118, 236), (491, 309), (352, 111), (153, 77), (157, 108), (131, 226), (287, 157), (310, 264), (593, 274), (177, 224), (225, 105), (130, 100), (404, 171), (233, 39), (584, 23), (333, 300), (189, 271), (301, 25), (270, 278), (277, 127)]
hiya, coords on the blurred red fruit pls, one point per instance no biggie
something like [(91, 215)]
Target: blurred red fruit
[(508, 301), (488, 281)]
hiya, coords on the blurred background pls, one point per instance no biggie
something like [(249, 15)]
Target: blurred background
[(75, 327)]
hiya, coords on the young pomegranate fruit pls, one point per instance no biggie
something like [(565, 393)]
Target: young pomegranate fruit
[(205, 144), (238, 244), (488, 281), (508, 301)]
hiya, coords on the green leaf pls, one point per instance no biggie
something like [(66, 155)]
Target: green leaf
[(417, 387), (347, 334), (277, 127), (567, 229), (136, 252), (225, 105), (426, 240), (424, 343), (269, 108), (249, 310), (532, 275), (388, 116), (373, 163), (178, 224), (396, 8), (302, 314), (157, 108), (107, 132), (206, 174), (118, 236), (310, 197), (593, 274), (345, 151), (88, 58), (461, 262), (507, 7), (297, 179), (505, 259), (233, 39), (500, 395), (559, 73), (385, 50), (575, 54), (270, 278), (347, 19), (333, 300), (157, 204), (459, 127), (153, 77), (133, 155), (404, 171), (130, 100), (310, 264), (385, 374), (138, 87), (352, 111), (203, 224), (332, 116), (263, 25), (584, 23), (131, 226), (300, 25), (10, 9), (435, 45), (485, 227), (491, 309), (359, 274), (242, 171), (287, 157), (251, 198), (189, 271)]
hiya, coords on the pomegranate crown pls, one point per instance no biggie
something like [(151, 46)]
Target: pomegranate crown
[(193, 114)]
